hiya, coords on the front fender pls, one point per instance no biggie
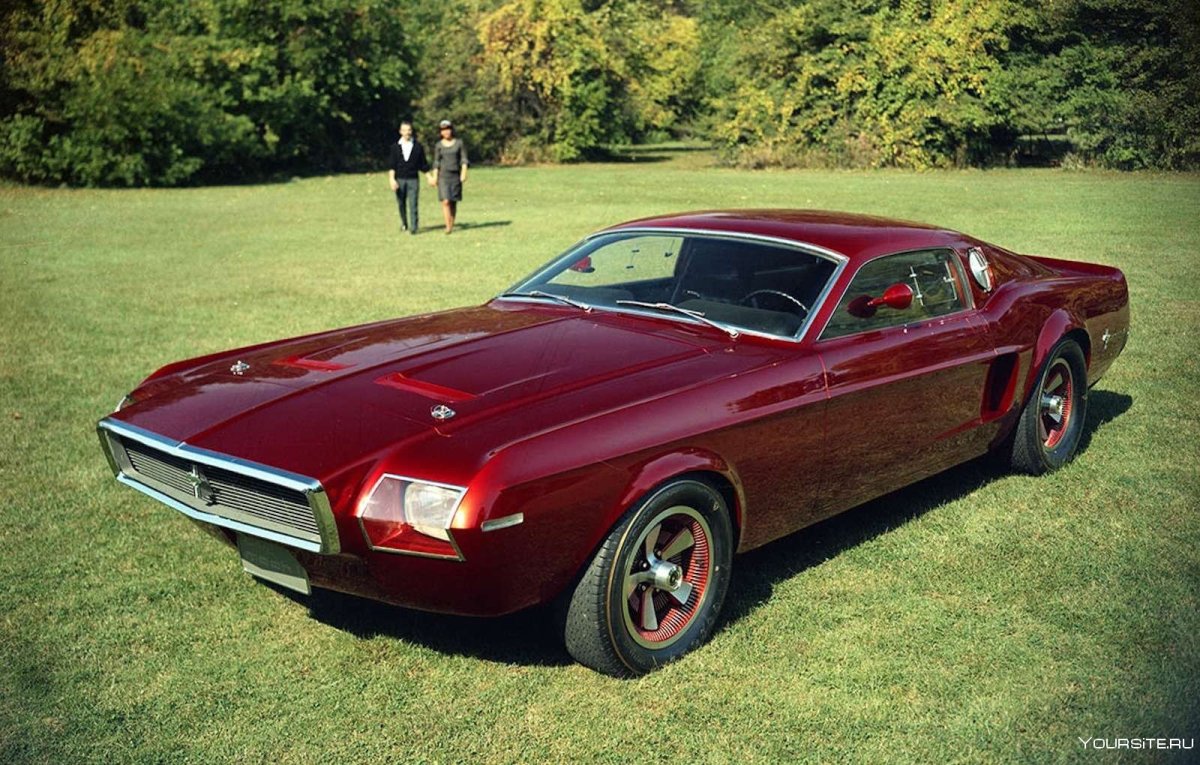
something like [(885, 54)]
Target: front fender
[(567, 516), (646, 474)]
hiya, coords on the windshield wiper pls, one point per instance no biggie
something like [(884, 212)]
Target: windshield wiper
[(697, 315), (560, 298)]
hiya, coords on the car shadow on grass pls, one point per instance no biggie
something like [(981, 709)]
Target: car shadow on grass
[(1102, 407), (530, 637), (756, 572), (527, 638)]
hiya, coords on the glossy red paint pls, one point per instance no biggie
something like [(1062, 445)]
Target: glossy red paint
[(898, 297), (858, 237), (569, 417), (303, 363), (904, 404)]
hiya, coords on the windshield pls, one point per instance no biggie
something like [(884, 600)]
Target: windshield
[(742, 283)]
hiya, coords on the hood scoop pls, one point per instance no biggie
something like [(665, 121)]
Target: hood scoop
[(301, 362), (423, 388)]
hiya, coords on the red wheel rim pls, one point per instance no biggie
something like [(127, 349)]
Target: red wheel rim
[(667, 581), (1056, 403)]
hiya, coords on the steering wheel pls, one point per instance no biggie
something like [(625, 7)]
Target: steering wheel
[(750, 299)]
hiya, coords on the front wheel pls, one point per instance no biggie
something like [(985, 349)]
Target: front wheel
[(655, 587), (1051, 423)]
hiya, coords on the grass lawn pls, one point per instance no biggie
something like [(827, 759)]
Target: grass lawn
[(974, 617)]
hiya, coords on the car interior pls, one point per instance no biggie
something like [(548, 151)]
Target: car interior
[(750, 285), (935, 277)]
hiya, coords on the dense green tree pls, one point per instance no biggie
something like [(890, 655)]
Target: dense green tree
[(859, 82), (455, 85), (561, 79), (162, 92), (933, 82), (1120, 79), (584, 75), (158, 92)]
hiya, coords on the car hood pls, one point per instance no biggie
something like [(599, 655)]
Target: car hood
[(313, 405)]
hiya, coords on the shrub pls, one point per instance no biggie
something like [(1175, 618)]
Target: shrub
[(148, 93)]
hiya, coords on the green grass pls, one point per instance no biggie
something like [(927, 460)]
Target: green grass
[(977, 616)]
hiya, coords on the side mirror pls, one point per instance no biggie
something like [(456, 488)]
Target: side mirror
[(584, 265), (898, 297)]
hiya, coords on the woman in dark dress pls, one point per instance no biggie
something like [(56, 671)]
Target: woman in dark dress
[(449, 171)]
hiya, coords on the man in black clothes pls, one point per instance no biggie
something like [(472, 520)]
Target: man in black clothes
[(404, 172)]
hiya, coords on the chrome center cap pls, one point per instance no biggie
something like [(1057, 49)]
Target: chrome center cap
[(667, 576), (1053, 406)]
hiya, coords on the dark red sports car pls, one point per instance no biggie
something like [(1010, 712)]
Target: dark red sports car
[(608, 433)]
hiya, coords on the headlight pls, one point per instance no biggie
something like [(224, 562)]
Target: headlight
[(410, 516), (430, 509)]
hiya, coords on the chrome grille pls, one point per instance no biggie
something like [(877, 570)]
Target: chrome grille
[(230, 494), (262, 499), (163, 468)]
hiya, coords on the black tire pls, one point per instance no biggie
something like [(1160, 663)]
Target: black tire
[(1051, 424), (632, 610)]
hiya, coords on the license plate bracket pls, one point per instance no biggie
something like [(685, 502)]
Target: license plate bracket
[(272, 562)]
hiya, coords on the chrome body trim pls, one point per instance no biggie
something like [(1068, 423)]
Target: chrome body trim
[(106, 446), (840, 262), (314, 492), (968, 293), (495, 524), (1109, 336), (981, 270), (217, 520)]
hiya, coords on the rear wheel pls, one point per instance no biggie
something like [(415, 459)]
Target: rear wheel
[(1051, 423), (655, 587)]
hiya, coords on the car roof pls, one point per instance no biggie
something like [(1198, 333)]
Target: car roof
[(858, 237)]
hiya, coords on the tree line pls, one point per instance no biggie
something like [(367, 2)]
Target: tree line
[(158, 92)]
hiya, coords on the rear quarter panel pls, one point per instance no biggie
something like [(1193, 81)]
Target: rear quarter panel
[(1097, 297), (1037, 301)]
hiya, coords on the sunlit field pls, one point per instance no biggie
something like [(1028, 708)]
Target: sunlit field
[(975, 617)]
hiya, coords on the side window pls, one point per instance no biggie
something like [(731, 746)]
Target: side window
[(933, 275)]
